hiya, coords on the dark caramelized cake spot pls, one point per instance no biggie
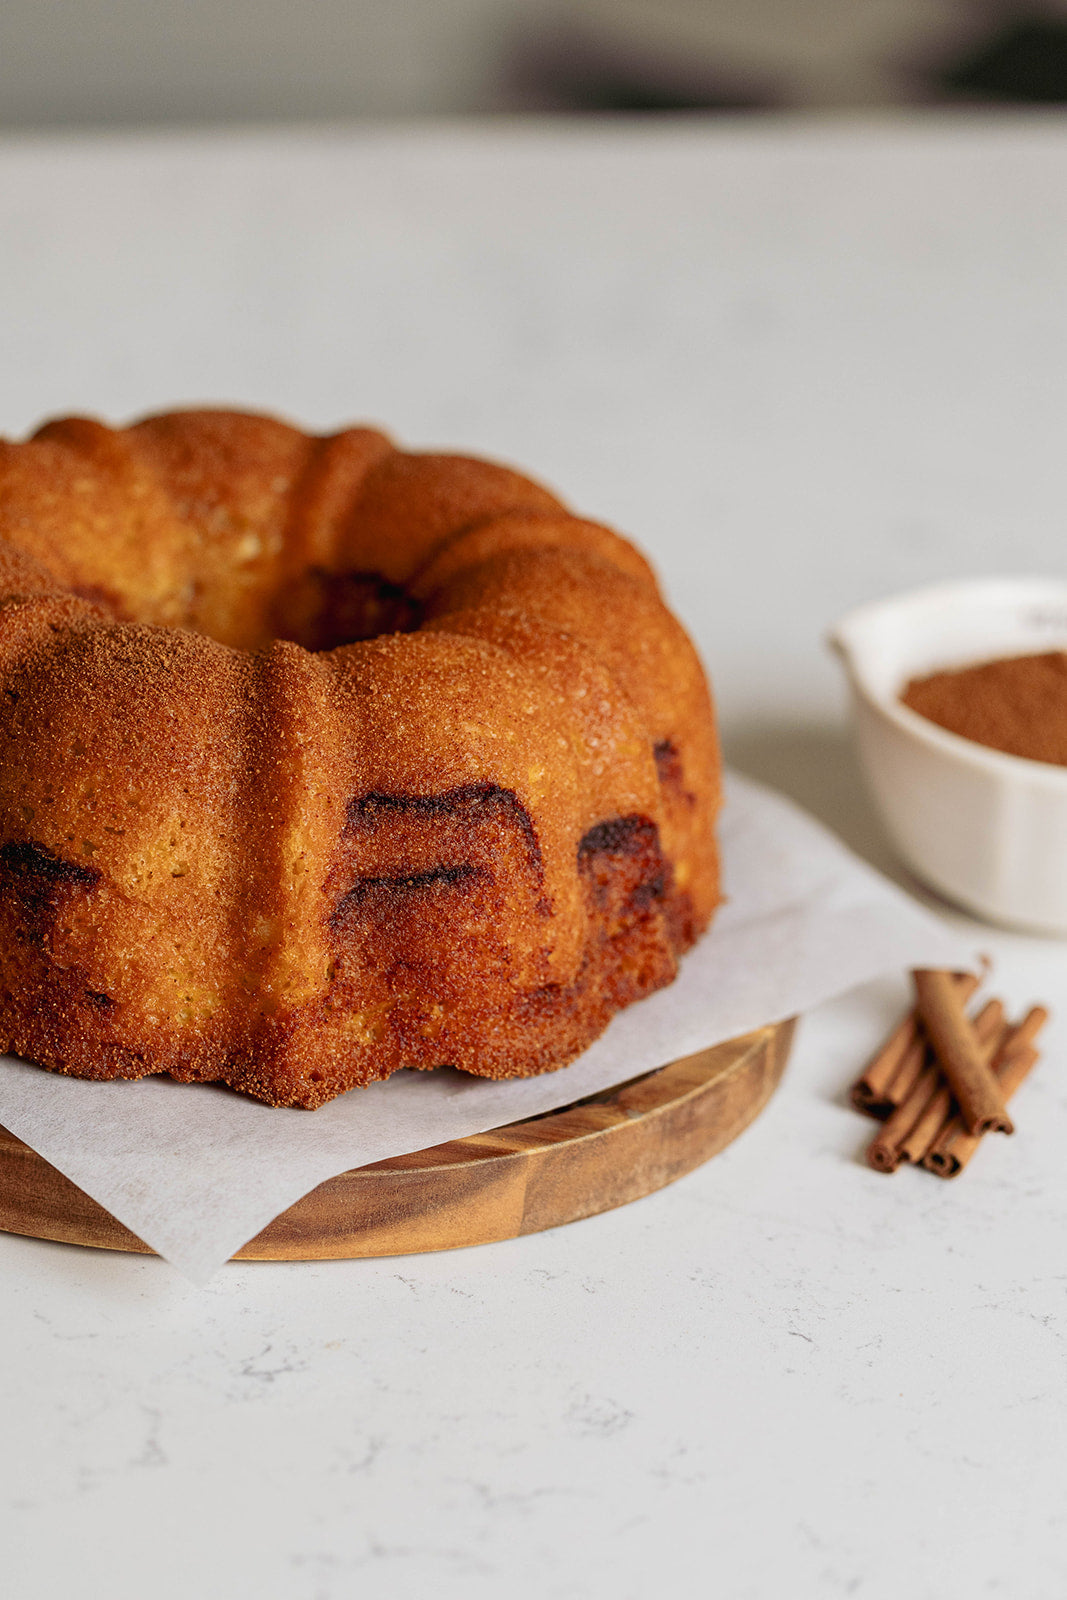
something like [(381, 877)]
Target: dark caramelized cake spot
[(668, 762), (38, 885), (364, 888), (472, 803), (99, 1001), (39, 873), (623, 866)]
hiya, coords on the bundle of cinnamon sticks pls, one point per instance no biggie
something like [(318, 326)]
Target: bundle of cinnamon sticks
[(943, 1078)]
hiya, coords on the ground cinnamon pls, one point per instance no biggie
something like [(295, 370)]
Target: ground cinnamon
[(1015, 703)]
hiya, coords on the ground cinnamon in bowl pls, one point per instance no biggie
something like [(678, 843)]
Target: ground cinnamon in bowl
[(1017, 704)]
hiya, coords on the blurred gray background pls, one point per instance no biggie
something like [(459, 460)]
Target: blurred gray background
[(113, 62)]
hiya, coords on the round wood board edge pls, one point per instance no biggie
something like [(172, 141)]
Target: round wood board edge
[(588, 1157)]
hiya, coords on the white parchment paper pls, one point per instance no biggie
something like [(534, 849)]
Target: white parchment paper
[(195, 1170)]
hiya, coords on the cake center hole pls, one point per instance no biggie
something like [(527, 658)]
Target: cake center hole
[(327, 609)]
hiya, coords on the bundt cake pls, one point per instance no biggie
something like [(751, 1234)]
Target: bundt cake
[(320, 759)]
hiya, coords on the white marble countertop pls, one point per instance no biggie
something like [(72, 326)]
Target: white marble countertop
[(804, 366)]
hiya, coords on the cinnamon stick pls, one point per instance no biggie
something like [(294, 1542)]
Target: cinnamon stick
[(1026, 1031), (989, 1030), (910, 1070), (869, 1093), (1014, 1061), (892, 1072), (916, 1122), (954, 1147), (965, 1065), (886, 1150)]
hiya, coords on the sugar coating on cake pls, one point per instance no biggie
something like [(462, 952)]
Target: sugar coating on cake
[(319, 759)]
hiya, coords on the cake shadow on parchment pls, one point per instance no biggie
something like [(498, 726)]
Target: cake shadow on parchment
[(815, 764)]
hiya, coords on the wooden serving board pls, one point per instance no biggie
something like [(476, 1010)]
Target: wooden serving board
[(588, 1157)]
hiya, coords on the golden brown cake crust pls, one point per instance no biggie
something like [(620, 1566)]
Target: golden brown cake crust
[(319, 759)]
